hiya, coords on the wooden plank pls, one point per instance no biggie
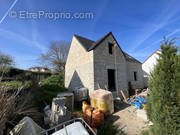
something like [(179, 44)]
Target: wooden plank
[(123, 95)]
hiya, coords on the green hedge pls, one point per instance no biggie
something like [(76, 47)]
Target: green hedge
[(49, 88)]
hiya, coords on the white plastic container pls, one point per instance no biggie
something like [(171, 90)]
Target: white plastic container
[(73, 129)]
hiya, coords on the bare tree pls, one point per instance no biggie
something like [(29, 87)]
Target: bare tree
[(56, 55)]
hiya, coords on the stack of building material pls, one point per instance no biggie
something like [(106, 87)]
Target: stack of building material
[(69, 100), (47, 114), (59, 112), (133, 85), (80, 94), (103, 100)]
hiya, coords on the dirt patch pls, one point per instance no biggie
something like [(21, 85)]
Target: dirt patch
[(127, 120)]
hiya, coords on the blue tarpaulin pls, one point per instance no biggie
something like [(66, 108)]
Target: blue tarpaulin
[(138, 105), (142, 100)]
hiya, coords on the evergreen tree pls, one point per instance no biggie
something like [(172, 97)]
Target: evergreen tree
[(163, 106)]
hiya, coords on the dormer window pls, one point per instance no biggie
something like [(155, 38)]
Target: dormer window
[(111, 48)]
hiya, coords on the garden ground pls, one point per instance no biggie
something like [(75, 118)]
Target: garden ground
[(126, 119)]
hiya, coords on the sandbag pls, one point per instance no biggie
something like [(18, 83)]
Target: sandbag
[(93, 116)]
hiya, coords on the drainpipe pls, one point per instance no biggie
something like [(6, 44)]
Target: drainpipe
[(116, 68)]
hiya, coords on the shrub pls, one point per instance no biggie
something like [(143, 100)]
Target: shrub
[(163, 106), (145, 132), (108, 128), (14, 106), (25, 106), (7, 105), (16, 84), (53, 82), (49, 88)]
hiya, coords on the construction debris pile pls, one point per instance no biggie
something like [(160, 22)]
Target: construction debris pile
[(59, 116), (139, 100)]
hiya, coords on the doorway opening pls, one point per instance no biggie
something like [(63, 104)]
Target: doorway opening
[(111, 80)]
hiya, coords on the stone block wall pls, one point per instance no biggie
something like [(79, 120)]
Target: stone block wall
[(79, 67), (104, 61), (135, 67)]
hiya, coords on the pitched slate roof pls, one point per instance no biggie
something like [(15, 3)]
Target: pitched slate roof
[(130, 58), (99, 41), (86, 43), (90, 45)]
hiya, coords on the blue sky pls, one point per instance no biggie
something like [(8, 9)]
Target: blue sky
[(138, 25)]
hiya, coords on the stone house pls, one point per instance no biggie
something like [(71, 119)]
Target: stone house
[(101, 64)]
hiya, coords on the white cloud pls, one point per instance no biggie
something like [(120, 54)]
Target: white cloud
[(164, 19), (35, 33), (159, 40), (17, 37)]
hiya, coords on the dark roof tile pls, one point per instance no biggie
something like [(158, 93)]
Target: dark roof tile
[(99, 41), (86, 43), (130, 58)]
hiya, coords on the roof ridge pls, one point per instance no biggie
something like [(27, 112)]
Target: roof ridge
[(83, 37), (99, 41), (86, 43), (125, 53), (152, 55), (90, 45)]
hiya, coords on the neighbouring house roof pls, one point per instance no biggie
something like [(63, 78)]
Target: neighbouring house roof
[(91, 45), (39, 68), (152, 54)]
